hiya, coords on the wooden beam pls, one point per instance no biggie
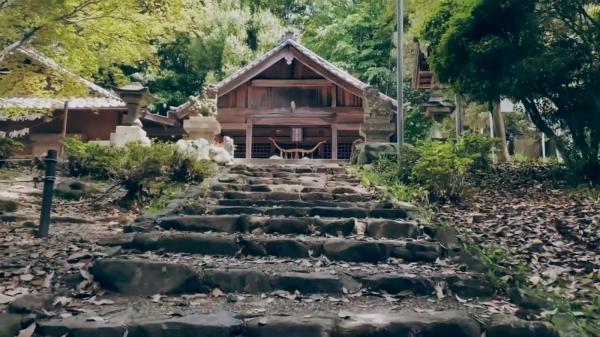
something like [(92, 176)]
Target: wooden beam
[(252, 72), (233, 126), (327, 73), (291, 83), (334, 96)]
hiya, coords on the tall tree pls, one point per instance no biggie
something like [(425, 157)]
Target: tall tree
[(88, 36), (230, 35), (358, 36), (542, 53)]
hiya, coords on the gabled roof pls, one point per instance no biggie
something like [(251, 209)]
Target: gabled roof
[(287, 49), (104, 98)]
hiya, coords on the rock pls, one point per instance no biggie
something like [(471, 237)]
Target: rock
[(201, 223), (509, 326), (10, 324), (391, 213), (222, 324), (71, 190), (417, 251), (527, 299), (194, 243), (80, 326), (8, 206), (367, 153), (308, 283), (248, 281), (471, 287), (30, 303), (356, 251), (391, 229), (137, 277), (395, 284), (442, 323), (334, 212), (290, 327), (283, 247)]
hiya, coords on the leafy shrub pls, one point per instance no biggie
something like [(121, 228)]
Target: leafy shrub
[(401, 169), (139, 169), (441, 169), (8, 147), (478, 148)]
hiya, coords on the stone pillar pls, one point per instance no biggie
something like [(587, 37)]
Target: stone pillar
[(249, 127), (137, 97), (334, 142)]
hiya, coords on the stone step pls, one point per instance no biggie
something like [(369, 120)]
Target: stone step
[(143, 276), (303, 204), (376, 228), (338, 249), (223, 324), (311, 196), (327, 212)]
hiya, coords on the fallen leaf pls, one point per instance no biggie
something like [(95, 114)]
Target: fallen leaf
[(28, 331)]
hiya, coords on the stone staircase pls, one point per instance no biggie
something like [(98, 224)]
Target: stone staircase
[(297, 250)]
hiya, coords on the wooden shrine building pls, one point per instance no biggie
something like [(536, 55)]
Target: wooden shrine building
[(289, 98)]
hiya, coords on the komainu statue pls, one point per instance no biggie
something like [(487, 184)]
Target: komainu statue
[(377, 125)]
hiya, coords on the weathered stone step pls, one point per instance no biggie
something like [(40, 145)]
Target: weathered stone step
[(304, 204), (338, 249), (311, 196), (243, 223), (376, 228), (327, 212), (145, 277), (224, 324)]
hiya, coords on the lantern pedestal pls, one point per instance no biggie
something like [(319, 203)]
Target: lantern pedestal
[(201, 127), (125, 134)]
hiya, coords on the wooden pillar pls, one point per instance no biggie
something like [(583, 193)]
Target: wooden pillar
[(334, 142), (249, 139)]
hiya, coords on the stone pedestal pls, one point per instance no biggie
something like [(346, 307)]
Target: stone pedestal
[(201, 127), (129, 134), (377, 130)]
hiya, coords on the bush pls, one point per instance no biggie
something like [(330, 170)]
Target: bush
[(478, 148), (138, 169), (441, 169), (8, 147)]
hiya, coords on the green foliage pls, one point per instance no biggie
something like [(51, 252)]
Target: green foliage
[(357, 36), (140, 170), (441, 170), (8, 147), (478, 148), (430, 170), (542, 53), (91, 37)]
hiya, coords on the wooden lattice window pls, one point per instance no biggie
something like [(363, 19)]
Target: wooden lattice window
[(261, 151), (327, 151), (344, 150), (240, 151)]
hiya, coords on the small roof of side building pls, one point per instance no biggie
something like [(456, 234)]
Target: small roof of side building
[(288, 49), (102, 98)]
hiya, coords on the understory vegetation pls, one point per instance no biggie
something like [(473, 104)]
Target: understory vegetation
[(8, 147), (144, 172), (430, 171)]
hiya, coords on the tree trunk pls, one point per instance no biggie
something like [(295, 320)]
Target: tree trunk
[(500, 132)]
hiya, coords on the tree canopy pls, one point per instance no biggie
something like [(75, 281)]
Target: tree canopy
[(542, 53), (91, 37)]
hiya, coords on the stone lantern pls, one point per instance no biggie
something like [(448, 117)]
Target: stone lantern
[(137, 97), (437, 108), (377, 126)]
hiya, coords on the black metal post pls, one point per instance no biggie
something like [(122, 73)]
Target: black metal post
[(47, 194)]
